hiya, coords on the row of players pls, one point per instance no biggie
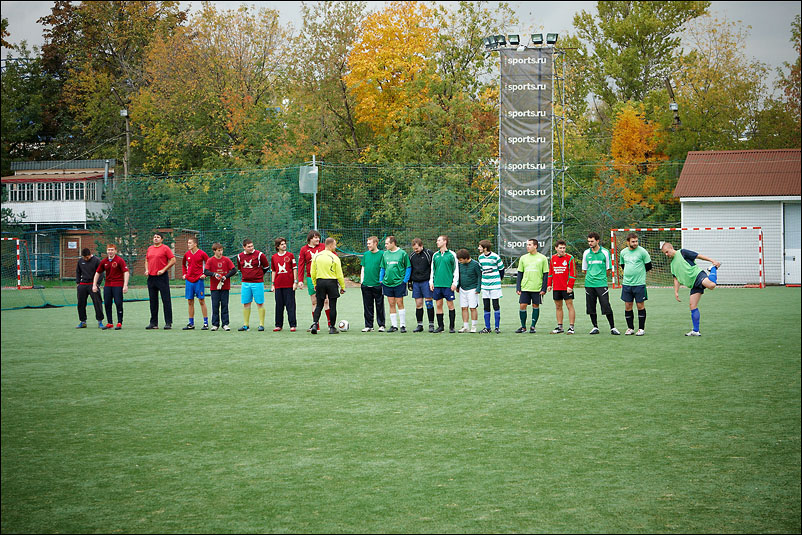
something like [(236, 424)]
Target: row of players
[(432, 277)]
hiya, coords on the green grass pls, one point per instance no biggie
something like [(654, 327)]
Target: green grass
[(142, 431)]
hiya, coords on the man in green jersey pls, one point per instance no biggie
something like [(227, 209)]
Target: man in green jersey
[(533, 281), (394, 275), (371, 287), (443, 282), (688, 273), (596, 264), (635, 261)]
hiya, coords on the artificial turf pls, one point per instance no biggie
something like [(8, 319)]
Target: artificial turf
[(171, 431)]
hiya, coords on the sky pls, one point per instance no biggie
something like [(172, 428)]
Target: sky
[(769, 36)]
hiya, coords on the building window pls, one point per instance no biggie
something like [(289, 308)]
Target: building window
[(73, 191), (22, 192), (91, 191)]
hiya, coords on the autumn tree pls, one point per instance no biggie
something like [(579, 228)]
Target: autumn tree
[(634, 44), (213, 96), (791, 85)]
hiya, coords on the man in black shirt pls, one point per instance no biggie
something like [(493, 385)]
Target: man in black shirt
[(84, 275), (421, 260)]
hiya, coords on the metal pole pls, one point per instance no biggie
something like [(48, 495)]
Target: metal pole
[(314, 196), (127, 146)]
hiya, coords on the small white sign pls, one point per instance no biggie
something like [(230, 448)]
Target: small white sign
[(72, 245)]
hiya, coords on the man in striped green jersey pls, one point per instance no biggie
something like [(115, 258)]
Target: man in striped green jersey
[(492, 273)]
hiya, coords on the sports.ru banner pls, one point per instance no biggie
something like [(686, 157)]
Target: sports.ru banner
[(525, 149)]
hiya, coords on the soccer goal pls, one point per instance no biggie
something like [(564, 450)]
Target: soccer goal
[(16, 265), (739, 249)]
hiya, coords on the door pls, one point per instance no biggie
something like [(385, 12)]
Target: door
[(793, 248)]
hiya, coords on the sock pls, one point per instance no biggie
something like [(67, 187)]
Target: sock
[(642, 319), (402, 317), (535, 316), (452, 317), (262, 312), (630, 316), (473, 324), (430, 311), (246, 315), (440, 320), (522, 315), (497, 314), (465, 325), (419, 315), (192, 321), (559, 325), (610, 320), (695, 315), (487, 320), (713, 274), (594, 320), (328, 317), (394, 319), (205, 320)]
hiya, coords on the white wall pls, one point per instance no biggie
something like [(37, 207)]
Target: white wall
[(55, 211), (766, 214)]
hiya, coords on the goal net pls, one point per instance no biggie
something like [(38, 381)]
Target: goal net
[(16, 265), (739, 249)]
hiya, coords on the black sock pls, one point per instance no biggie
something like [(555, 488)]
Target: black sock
[(419, 315), (630, 316), (642, 319), (594, 321), (610, 320), (452, 316), (430, 313), (440, 320)]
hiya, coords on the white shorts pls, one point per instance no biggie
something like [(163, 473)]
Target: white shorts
[(491, 294), (468, 298)]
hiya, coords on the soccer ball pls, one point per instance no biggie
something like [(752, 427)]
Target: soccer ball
[(343, 325)]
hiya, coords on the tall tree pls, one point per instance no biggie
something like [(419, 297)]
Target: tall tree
[(212, 97), (634, 44)]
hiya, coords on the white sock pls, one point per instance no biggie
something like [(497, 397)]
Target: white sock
[(473, 323), (393, 320), (402, 317), (465, 325)]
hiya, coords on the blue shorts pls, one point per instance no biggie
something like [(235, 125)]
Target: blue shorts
[(633, 293), (442, 293), (420, 290), (253, 291), (698, 287), (194, 289), (530, 297), (395, 291)]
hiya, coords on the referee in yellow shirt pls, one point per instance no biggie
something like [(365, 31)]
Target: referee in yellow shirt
[(327, 277)]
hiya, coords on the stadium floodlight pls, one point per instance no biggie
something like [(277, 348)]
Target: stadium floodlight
[(537, 38), (501, 40), (489, 42), (514, 40), (551, 38)]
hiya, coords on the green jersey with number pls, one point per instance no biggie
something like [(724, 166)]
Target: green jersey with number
[(595, 266)]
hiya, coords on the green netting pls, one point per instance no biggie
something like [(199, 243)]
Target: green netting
[(353, 202)]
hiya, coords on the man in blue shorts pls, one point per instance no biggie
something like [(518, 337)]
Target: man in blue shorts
[(421, 260), (253, 265), (394, 275), (443, 282), (690, 274)]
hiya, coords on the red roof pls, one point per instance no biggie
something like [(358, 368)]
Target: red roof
[(740, 173), (53, 177)]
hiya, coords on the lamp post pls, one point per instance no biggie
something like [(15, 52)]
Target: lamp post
[(124, 113)]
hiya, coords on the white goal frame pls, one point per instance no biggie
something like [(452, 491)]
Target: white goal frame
[(758, 247), (19, 268)]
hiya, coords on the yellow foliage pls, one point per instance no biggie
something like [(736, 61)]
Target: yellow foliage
[(393, 50)]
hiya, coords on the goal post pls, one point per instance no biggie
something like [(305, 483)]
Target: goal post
[(739, 249), (16, 266)]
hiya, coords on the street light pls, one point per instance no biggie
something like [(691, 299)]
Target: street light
[(551, 38)]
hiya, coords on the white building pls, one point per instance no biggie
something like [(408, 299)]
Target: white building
[(746, 188)]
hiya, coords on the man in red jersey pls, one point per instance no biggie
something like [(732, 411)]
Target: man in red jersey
[(192, 267), (116, 283), (562, 276), (284, 272), (219, 269), (158, 260), (253, 265), (312, 247)]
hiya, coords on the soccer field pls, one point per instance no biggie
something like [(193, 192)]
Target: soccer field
[(170, 431)]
